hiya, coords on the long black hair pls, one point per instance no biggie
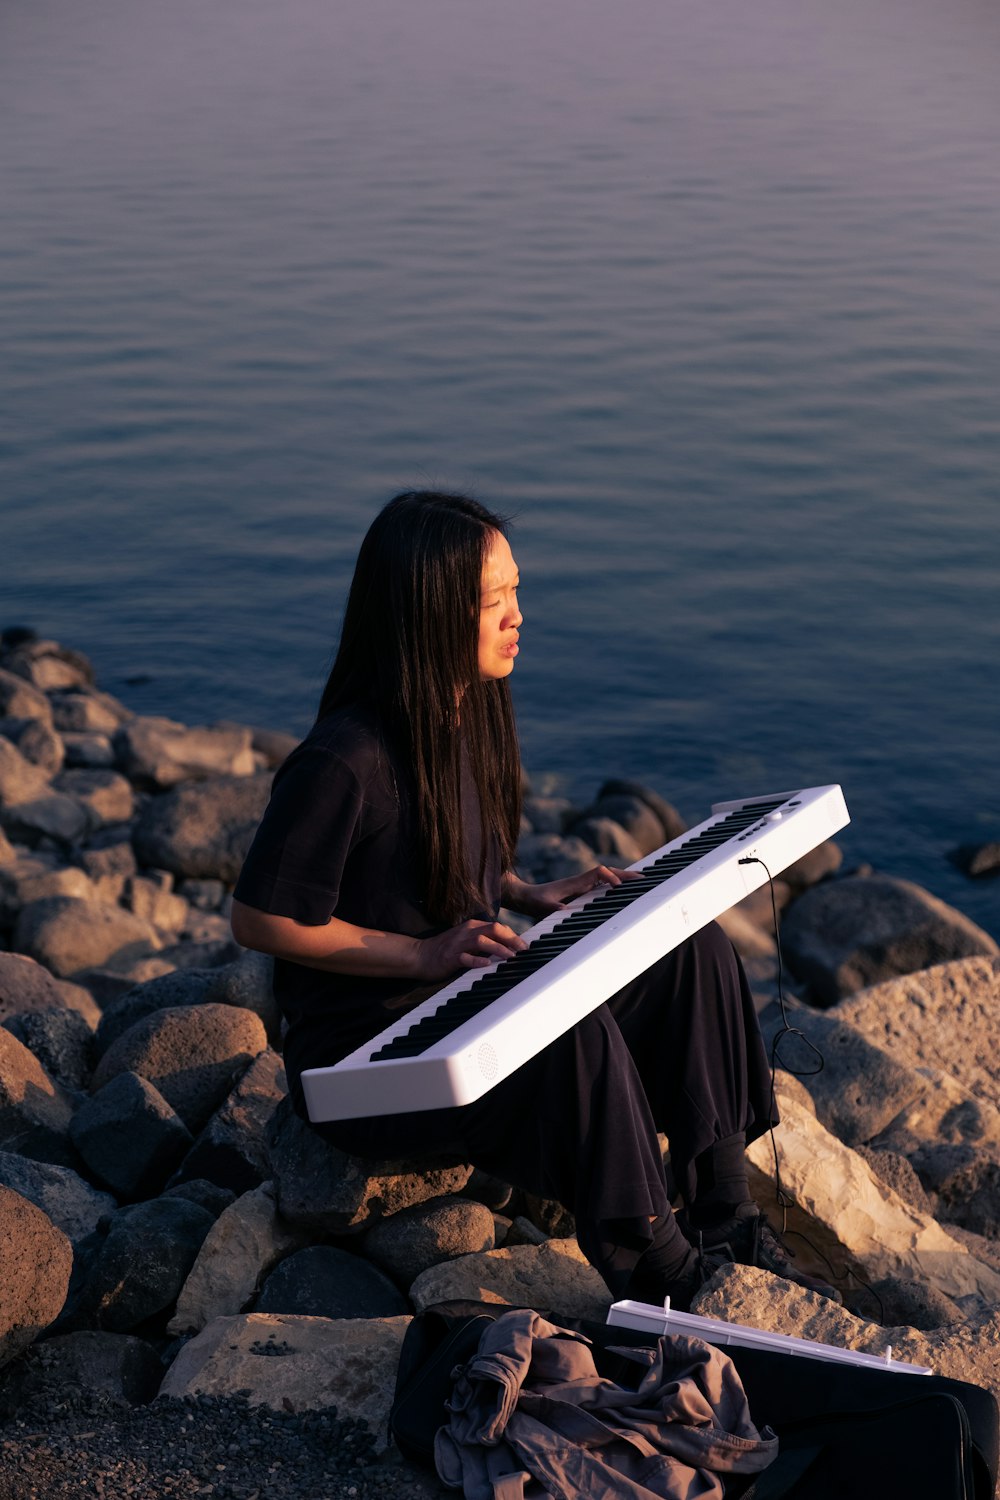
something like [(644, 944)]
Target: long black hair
[(409, 651)]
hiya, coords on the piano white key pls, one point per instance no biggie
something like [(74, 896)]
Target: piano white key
[(460, 1066)]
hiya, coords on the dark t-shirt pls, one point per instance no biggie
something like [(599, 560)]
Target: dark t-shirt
[(337, 839)]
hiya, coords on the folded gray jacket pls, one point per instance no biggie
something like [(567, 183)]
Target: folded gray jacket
[(531, 1417)]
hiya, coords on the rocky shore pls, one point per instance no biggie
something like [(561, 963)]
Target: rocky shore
[(199, 1297)]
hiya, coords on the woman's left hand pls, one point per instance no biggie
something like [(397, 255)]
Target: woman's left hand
[(539, 900)]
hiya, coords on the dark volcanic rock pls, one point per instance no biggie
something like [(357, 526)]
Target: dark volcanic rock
[(411, 1241), (129, 1136), (118, 1365), (231, 1150), (194, 1055), (60, 1039), (203, 830), (137, 1272), (72, 1204), (322, 1282), (34, 1111), (68, 936), (326, 1191), (25, 985)]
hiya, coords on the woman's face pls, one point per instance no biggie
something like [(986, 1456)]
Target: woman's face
[(499, 616)]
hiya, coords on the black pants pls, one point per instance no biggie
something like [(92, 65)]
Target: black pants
[(678, 1050)]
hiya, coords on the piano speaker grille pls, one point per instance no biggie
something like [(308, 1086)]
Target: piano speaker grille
[(487, 1061)]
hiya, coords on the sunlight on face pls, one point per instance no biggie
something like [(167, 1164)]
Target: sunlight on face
[(499, 616)]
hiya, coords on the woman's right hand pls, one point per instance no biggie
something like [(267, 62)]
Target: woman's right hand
[(471, 945)]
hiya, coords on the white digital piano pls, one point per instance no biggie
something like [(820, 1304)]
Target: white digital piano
[(478, 1029)]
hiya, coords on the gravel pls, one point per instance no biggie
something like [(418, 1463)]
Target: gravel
[(61, 1444)]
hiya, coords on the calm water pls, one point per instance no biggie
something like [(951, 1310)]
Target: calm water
[(709, 295)]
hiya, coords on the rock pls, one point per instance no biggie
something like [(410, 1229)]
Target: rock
[(109, 856), (25, 985), (203, 895), (640, 823), (33, 877), (60, 1039), (207, 1195), (943, 1111), (117, 1365), (246, 1241), (20, 700), (608, 840), (129, 1136), (846, 935), (549, 814), (417, 1238), (69, 936), (296, 1364), (231, 1149), (749, 939), (160, 752), (34, 1111), (93, 752), (548, 1215), (819, 864), (203, 831), (7, 853), (859, 1088), (324, 1282), (20, 779), (325, 1191), (521, 1231), (966, 1182), (966, 1350), (153, 899), (87, 712), (543, 856), (274, 745), (484, 1188), (49, 666), (977, 859), (669, 818), (192, 1054), (137, 1273), (179, 987), (62, 1194), (552, 1278), (898, 1173), (52, 816), (105, 797), (854, 1219), (914, 1304), (947, 1017), (35, 1263), (36, 741)]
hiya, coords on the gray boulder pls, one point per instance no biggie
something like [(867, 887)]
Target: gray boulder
[(129, 1136), (323, 1282), (231, 1149), (138, 1271), (161, 753), (845, 935), (69, 936), (34, 1111), (36, 1259), (208, 1195), (60, 1039), (51, 817), (73, 1205), (193, 1054), (20, 779), (411, 1241), (608, 840), (326, 1191), (203, 831), (93, 752), (631, 813)]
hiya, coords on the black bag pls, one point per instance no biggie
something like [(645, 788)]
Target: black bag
[(844, 1430)]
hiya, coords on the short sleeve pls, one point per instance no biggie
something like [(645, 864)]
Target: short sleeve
[(296, 861)]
